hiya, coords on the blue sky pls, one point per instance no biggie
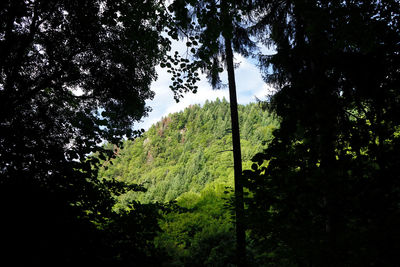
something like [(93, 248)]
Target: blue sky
[(248, 82)]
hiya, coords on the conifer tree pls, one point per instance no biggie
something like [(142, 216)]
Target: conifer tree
[(216, 29)]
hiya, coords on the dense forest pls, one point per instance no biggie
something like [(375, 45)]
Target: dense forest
[(187, 150), (207, 186), (186, 157)]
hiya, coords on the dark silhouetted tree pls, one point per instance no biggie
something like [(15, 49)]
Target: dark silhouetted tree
[(215, 29), (72, 75), (326, 191)]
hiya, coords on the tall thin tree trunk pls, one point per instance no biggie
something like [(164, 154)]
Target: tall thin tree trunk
[(237, 157)]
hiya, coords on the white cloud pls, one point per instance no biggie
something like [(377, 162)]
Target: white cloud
[(248, 82)]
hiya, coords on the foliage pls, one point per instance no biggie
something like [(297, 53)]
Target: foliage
[(326, 190), (187, 150), (187, 157), (202, 234), (73, 74)]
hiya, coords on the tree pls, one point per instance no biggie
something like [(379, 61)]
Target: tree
[(325, 192), (73, 74), (219, 28)]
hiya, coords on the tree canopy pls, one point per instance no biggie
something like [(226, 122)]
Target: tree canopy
[(73, 74)]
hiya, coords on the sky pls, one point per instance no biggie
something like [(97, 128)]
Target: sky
[(249, 86)]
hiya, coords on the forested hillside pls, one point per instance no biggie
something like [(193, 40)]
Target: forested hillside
[(185, 151), (187, 157)]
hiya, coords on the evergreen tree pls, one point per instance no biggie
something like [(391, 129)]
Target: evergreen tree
[(219, 28), (325, 192)]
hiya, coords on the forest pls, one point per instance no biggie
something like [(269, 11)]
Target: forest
[(185, 157), (307, 176)]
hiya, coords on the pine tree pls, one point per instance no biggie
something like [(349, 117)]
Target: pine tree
[(220, 31)]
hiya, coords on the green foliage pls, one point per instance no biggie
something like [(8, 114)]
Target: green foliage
[(202, 234), (187, 150), (187, 157)]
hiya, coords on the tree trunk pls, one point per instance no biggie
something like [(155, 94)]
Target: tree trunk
[(237, 157)]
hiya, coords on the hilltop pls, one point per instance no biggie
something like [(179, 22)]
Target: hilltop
[(187, 150)]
